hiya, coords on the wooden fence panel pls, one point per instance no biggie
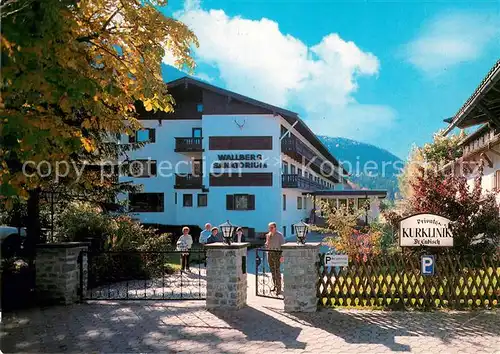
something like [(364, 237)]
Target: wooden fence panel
[(395, 281)]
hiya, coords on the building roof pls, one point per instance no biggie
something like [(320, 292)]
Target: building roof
[(482, 106), (480, 131), (289, 116), (350, 193)]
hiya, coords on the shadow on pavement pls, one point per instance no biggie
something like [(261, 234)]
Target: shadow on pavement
[(259, 326), (382, 327)]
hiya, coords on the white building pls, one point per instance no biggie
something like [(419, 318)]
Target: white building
[(482, 147), (222, 156)]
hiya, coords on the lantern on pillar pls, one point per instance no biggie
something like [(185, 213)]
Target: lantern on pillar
[(301, 229), (227, 231)]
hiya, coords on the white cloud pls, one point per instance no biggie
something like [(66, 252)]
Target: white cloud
[(451, 39), (256, 59), (204, 77)]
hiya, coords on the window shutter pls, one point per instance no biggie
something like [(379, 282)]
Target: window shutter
[(153, 168), (131, 138), (152, 135), (251, 202), (229, 202)]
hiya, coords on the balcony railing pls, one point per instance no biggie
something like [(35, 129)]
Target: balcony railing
[(296, 181), (188, 144), (481, 142), (188, 181), (297, 150)]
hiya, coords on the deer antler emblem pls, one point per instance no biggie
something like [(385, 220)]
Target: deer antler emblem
[(240, 125)]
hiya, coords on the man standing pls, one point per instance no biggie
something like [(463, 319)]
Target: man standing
[(274, 241), (205, 234)]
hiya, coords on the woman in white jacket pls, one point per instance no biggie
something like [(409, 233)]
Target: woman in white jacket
[(184, 245)]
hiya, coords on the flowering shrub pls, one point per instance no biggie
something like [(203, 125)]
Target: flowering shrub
[(474, 214), (358, 242)]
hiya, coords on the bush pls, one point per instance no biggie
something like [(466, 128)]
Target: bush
[(358, 243), (17, 281), (82, 222), (157, 264)]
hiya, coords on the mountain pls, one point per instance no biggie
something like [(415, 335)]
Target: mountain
[(369, 166)]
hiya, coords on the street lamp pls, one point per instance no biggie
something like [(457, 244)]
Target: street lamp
[(227, 231), (301, 229)]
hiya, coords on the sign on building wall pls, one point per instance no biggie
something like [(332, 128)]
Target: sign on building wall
[(425, 230), (240, 161)]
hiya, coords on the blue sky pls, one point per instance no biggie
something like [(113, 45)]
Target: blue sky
[(381, 72)]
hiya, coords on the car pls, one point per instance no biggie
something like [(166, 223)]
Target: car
[(11, 240)]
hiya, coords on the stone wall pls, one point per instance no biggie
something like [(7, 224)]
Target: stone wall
[(300, 277), (226, 282), (58, 272)]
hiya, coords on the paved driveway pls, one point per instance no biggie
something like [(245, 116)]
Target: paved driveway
[(262, 327)]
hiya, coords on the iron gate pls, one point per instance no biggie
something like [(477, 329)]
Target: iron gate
[(143, 275), (268, 273)]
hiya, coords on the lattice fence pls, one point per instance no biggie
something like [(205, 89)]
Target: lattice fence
[(395, 281)]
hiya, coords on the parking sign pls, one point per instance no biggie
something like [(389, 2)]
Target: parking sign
[(428, 264)]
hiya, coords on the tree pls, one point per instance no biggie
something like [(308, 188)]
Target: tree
[(358, 242), (435, 155), (72, 73), (474, 214)]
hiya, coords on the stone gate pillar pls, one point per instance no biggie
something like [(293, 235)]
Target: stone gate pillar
[(226, 275), (58, 271), (300, 276)]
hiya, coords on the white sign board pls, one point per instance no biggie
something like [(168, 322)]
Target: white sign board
[(336, 260), (425, 230)]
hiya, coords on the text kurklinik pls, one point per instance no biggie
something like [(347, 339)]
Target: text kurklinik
[(427, 232)]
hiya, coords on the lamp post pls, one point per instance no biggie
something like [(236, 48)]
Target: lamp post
[(301, 229), (227, 231)]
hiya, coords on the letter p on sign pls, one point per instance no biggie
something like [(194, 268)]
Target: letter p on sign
[(428, 265)]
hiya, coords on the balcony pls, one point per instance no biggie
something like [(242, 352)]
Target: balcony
[(296, 181), (481, 142), (298, 151), (188, 144), (188, 181)]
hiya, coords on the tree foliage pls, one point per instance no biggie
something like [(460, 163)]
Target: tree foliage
[(357, 242), (474, 214), (72, 72), (434, 155)]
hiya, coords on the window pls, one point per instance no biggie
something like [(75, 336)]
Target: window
[(285, 168), (284, 231), (292, 169), (299, 172), (497, 181), (292, 229), (147, 135), (141, 168), (363, 203), (199, 107), (196, 132), (146, 202), (187, 200), (175, 198), (306, 174), (342, 203), (284, 201), (299, 203), (202, 200), (240, 202), (351, 205), (197, 168)]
